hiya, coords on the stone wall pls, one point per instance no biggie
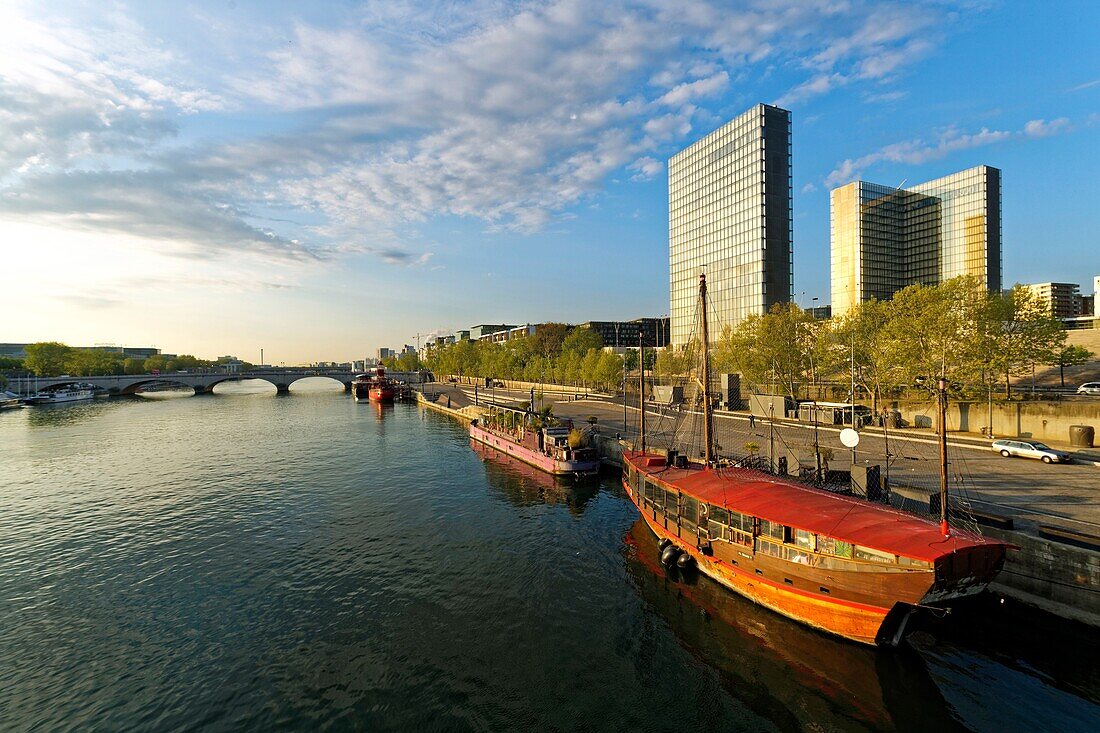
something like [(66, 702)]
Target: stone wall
[(1032, 419), (1059, 578)]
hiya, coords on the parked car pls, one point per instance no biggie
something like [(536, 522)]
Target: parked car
[(1089, 388), (1029, 449)]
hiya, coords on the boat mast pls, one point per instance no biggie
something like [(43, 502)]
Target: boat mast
[(708, 423), (641, 388), (941, 402)]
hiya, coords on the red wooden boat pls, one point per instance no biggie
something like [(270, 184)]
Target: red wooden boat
[(837, 563)]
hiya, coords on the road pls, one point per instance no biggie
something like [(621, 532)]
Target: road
[(1028, 490)]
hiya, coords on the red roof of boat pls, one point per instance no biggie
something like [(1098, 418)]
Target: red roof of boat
[(834, 515)]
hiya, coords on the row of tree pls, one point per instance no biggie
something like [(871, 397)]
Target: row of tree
[(51, 359), (554, 353), (977, 340)]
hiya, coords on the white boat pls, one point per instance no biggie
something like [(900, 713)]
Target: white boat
[(9, 400), (68, 393)]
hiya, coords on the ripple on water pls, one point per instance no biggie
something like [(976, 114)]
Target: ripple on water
[(247, 561)]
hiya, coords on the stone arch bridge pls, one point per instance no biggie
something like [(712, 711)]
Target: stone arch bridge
[(200, 381)]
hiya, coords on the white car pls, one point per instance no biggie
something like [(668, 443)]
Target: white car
[(1029, 449), (1089, 388)]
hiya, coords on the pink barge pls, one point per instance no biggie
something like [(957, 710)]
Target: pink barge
[(546, 449)]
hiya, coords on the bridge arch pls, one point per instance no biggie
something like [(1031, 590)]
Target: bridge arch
[(133, 387)]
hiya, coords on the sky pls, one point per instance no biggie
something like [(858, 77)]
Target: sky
[(321, 179)]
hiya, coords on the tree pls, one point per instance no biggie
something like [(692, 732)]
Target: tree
[(155, 363), (775, 347), (672, 362), (133, 366), (1073, 355), (1019, 332), (934, 330), (863, 330), (7, 362), (47, 359), (580, 340), (186, 361), (630, 360), (547, 340), (93, 363)]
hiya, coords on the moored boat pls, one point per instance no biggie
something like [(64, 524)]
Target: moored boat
[(837, 563), (545, 448), (10, 400), (373, 385), (68, 393)]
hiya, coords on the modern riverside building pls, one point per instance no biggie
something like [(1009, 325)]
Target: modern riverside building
[(653, 331), (1060, 298), (729, 210), (884, 238)]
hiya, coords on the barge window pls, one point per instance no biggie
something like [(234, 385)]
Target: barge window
[(830, 546), (672, 503), (771, 529), (770, 548), (689, 510), (913, 562), (802, 538), (718, 514), (866, 553), (742, 522)]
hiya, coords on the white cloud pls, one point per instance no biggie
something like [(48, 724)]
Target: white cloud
[(917, 151), (646, 168), (506, 114), (690, 91), (1042, 128)]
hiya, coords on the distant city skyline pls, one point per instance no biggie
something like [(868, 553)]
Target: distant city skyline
[(323, 180)]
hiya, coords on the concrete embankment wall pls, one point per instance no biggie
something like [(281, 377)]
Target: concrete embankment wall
[(518, 385), (1059, 578), (464, 414), (1044, 420)]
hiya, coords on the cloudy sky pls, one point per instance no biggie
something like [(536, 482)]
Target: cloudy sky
[(320, 179)]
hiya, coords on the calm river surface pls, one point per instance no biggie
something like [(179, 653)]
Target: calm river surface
[(247, 561)]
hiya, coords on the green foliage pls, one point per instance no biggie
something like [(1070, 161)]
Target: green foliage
[(580, 341), (1070, 356), (630, 360), (93, 363), (673, 362), (955, 329), (47, 359), (1019, 332), (550, 355), (775, 348), (7, 362)]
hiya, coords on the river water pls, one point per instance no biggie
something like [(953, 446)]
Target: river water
[(300, 562)]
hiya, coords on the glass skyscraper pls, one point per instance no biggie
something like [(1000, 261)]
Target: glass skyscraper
[(729, 215), (884, 238)]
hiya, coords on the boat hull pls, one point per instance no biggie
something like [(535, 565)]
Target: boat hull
[(540, 461), (381, 394), (56, 400), (854, 621)]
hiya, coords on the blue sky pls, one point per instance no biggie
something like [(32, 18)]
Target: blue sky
[(322, 179)]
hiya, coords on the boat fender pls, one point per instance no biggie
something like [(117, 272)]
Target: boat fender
[(669, 555), (663, 543), (685, 561)]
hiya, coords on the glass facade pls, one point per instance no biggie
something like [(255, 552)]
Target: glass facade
[(885, 238), (729, 205)]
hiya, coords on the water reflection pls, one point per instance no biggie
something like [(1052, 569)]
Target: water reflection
[(794, 676), (524, 485), (65, 413)]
